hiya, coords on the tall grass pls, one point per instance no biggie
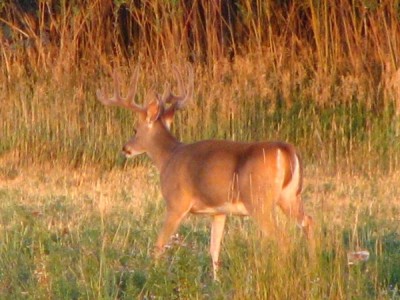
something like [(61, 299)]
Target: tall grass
[(322, 75)]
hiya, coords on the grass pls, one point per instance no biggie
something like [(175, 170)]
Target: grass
[(76, 234), (46, 120), (320, 75)]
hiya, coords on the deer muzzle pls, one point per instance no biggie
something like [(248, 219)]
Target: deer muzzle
[(129, 150)]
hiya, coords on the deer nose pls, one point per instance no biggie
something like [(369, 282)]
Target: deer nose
[(126, 151)]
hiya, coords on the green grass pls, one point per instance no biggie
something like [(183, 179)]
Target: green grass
[(76, 242)]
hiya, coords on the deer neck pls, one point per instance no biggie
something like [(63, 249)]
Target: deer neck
[(162, 146)]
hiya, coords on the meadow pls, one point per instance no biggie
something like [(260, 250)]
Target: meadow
[(78, 220)]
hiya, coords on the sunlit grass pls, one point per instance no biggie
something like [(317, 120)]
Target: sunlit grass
[(90, 234), (66, 124), (320, 75)]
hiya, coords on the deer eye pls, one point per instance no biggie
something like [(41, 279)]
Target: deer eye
[(134, 131)]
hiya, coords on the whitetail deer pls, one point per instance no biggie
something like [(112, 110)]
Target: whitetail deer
[(212, 177)]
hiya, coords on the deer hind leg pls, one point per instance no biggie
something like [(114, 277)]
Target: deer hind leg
[(262, 209), (171, 223), (217, 231)]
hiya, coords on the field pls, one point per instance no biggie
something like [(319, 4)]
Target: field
[(86, 233), (78, 220)]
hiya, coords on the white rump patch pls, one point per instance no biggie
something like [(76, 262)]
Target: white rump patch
[(291, 189)]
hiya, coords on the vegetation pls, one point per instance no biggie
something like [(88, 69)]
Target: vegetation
[(333, 66), (78, 221), (82, 233)]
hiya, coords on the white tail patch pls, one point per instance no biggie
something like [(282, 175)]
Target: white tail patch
[(291, 189)]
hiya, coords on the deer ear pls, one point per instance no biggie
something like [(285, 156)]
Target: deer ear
[(153, 111), (168, 116)]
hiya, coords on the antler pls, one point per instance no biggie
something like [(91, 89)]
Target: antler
[(179, 101), (117, 100)]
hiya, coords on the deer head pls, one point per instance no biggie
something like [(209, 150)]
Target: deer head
[(155, 117)]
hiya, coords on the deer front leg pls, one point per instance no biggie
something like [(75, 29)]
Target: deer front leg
[(217, 231), (171, 223)]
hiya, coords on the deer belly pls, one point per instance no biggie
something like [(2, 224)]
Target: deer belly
[(227, 208)]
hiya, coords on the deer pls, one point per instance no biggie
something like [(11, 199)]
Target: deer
[(211, 177)]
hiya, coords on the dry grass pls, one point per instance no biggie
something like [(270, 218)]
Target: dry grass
[(341, 51), (312, 74)]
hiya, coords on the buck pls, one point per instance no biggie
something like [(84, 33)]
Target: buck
[(212, 177)]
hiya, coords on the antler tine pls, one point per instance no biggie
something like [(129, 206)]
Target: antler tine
[(189, 93), (101, 95), (132, 90), (184, 95), (166, 94), (117, 100), (117, 94)]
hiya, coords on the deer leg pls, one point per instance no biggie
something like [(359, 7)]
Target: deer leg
[(293, 208), (217, 231), (171, 223), (262, 209)]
